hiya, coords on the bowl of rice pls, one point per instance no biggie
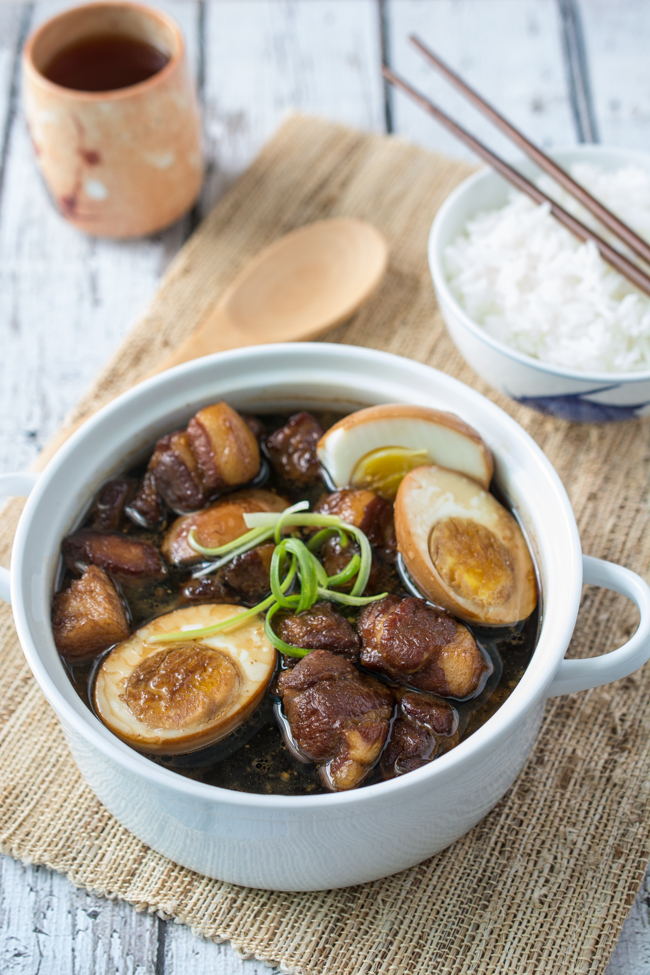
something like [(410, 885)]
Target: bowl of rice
[(537, 313)]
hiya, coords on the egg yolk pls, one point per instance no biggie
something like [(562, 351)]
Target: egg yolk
[(383, 470), (472, 561), (181, 687)]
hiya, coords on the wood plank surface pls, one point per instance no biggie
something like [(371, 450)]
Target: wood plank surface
[(264, 59), (509, 51), (617, 34), (67, 300), (51, 928)]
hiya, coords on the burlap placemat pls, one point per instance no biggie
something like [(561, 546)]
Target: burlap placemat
[(543, 884)]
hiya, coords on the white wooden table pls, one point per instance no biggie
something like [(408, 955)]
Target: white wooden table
[(563, 70)]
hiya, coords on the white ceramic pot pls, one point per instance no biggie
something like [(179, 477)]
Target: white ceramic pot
[(579, 396), (324, 841)]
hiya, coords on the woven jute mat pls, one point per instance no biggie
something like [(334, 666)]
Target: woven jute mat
[(544, 883)]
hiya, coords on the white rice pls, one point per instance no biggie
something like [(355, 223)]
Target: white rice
[(534, 286)]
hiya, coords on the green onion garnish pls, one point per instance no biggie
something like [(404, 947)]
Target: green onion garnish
[(292, 559), (244, 543), (279, 644)]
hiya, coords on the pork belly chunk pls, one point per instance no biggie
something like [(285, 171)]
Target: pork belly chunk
[(129, 560), (367, 511), (338, 718), (108, 508), (248, 575), (292, 448), (88, 617), (425, 726), (319, 628), (147, 508), (413, 643), (177, 474), (208, 589), (225, 447)]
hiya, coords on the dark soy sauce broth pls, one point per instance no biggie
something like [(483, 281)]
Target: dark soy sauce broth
[(105, 62), (254, 758)]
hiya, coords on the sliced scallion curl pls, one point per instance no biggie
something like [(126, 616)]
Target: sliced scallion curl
[(320, 537), (299, 506), (261, 536), (278, 560), (269, 519), (244, 543), (264, 519), (308, 575), (346, 574), (366, 561), (321, 574), (277, 642), (225, 625), (236, 543), (232, 623), (349, 600)]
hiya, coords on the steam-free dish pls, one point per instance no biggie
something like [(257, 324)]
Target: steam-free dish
[(240, 608), (309, 842)]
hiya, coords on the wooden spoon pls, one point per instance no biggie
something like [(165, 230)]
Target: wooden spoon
[(302, 284)]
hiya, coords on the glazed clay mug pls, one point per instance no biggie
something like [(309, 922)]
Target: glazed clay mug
[(123, 162)]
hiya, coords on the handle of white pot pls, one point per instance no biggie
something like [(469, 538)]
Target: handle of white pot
[(580, 675), (18, 486)]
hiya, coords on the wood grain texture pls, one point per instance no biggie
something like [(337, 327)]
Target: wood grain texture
[(509, 51), (265, 58), (13, 23), (52, 928), (616, 35), (632, 953), (66, 300)]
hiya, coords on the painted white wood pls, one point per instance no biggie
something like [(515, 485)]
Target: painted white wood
[(617, 34), (265, 58), (11, 17), (632, 953), (51, 928), (66, 300), (510, 52), (185, 953)]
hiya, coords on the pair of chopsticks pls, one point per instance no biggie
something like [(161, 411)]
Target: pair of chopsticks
[(639, 246)]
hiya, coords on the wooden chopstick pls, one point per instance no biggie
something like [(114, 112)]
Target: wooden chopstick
[(606, 217), (627, 268)]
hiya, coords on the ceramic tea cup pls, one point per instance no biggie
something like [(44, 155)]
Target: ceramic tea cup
[(122, 162)]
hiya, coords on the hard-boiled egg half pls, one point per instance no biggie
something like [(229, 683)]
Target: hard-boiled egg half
[(463, 550), (374, 448), (173, 698)]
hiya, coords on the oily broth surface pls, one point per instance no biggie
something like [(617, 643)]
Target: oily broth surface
[(254, 758)]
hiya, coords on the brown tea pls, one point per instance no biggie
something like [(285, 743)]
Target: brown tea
[(105, 62)]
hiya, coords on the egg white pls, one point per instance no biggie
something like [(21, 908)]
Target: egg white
[(247, 647), (447, 440)]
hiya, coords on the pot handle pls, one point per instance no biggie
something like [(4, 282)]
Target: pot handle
[(580, 675), (19, 486)]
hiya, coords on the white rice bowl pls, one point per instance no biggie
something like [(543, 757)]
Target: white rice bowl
[(532, 285)]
